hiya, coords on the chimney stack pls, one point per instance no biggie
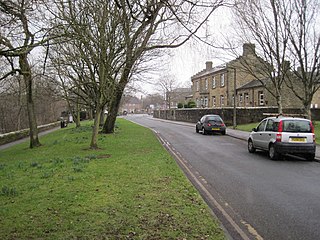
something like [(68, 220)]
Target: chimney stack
[(249, 49), (208, 65)]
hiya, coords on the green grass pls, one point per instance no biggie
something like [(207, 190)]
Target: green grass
[(129, 189), (248, 128)]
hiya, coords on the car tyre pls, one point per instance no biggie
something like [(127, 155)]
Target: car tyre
[(223, 132), (310, 157), (251, 148), (197, 130), (273, 154), (204, 132)]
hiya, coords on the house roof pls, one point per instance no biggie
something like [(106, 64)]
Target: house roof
[(253, 84), (206, 72)]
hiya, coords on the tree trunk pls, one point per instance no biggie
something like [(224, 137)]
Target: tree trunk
[(78, 115), (26, 72), (108, 126), (102, 117), (307, 111), (279, 103), (95, 131)]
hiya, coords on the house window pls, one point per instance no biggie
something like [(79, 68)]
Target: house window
[(213, 82), (197, 102), (240, 98), (261, 98), (205, 103), (221, 100), (222, 80), (246, 98), (214, 101), (206, 83), (197, 86)]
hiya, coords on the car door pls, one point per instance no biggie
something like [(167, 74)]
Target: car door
[(258, 135), (268, 134)]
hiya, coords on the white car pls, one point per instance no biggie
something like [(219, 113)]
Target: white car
[(284, 135)]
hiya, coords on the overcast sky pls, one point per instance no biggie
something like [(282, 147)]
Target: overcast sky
[(190, 58)]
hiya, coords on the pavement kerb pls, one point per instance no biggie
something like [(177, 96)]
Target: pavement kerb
[(241, 135)]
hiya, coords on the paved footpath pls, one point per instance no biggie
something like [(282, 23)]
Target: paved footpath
[(7, 145)]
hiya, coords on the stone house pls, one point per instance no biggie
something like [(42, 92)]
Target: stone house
[(214, 87), (178, 95)]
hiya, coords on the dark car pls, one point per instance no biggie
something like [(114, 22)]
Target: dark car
[(210, 124)]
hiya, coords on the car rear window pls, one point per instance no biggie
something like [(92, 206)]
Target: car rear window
[(214, 119), (296, 126)]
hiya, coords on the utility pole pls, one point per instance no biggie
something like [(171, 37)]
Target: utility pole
[(234, 96)]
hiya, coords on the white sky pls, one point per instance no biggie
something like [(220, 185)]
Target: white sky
[(190, 58)]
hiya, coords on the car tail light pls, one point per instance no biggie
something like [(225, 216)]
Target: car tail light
[(278, 137), (222, 124), (314, 137), (312, 127), (280, 126), (209, 124)]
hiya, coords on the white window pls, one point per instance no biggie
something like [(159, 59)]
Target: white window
[(240, 97), (213, 82), (213, 101), (261, 98), (205, 102), (206, 83), (197, 86), (222, 80), (221, 100), (246, 98)]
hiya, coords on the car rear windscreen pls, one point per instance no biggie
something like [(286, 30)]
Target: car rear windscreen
[(296, 126)]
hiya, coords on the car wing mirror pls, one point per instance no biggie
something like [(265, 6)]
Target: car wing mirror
[(254, 129)]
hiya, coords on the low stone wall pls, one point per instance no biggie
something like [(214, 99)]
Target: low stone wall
[(13, 136), (244, 115)]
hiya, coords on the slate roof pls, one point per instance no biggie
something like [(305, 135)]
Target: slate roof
[(253, 84), (206, 72)]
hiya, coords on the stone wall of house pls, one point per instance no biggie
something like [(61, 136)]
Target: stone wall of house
[(244, 115)]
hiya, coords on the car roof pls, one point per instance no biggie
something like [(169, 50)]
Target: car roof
[(287, 118)]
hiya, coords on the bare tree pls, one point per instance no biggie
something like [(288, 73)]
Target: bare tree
[(259, 22), (20, 34), (288, 40), (167, 83), (302, 22), (153, 25), (112, 38)]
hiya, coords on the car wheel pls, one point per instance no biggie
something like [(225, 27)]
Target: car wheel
[(310, 157), (223, 132), (273, 154), (251, 148), (197, 130), (204, 132)]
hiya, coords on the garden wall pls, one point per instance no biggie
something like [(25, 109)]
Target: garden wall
[(244, 115), (13, 136)]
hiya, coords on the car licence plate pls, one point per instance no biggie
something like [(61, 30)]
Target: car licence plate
[(215, 129), (293, 139)]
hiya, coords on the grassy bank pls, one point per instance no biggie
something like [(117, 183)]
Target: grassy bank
[(129, 189), (248, 128)]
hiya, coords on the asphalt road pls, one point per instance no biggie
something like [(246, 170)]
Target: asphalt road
[(253, 197)]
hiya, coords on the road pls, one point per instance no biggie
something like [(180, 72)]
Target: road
[(253, 197)]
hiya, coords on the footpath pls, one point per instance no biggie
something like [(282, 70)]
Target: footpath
[(7, 145)]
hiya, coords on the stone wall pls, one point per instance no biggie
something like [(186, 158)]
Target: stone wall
[(244, 115)]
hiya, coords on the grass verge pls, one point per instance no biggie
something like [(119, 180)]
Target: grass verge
[(129, 189), (248, 128)]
